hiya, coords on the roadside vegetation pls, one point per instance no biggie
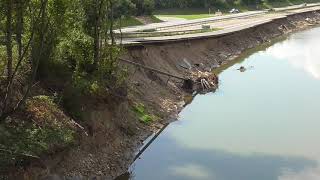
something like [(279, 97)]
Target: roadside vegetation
[(128, 21), (191, 9), (55, 55), (189, 13), (205, 9)]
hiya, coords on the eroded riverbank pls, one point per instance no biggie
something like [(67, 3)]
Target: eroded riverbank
[(260, 124), (114, 147), (210, 52)]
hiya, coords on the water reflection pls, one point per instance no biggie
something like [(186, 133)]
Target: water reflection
[(167, 160), (307, 174), (261, 124), (302, 52), (191, 171)]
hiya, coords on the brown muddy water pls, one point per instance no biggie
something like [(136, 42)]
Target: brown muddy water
[(261, 124)]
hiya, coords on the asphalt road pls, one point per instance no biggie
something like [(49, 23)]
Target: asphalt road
[(224, 24)]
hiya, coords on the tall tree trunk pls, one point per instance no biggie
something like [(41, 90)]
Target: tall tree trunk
[(37, 51), (9, 5), (19, 26), (97, 29), (111, 23)]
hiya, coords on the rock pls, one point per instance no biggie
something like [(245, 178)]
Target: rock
[(242, 69), (185, 64)]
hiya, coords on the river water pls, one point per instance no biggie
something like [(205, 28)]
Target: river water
[(261, 124)]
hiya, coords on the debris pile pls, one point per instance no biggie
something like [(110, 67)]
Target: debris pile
[(201, 82), (201, 78), (204, 81)]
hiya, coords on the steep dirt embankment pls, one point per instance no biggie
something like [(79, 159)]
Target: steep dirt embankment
[(115, 132), (154, 90)]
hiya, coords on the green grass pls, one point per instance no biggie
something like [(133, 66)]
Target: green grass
[(2, 59), (188, 14), (155, 19), (192, 13), (143, 116), (284, 3), (128, 21), (131, 21), (187, 17)]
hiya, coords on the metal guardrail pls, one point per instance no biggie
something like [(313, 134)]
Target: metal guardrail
[(194, 22), (157, 34), (213, 19), (210, 20), (295, 8), (151, 40)]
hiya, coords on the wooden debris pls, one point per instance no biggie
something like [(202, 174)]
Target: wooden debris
[(204, 81)]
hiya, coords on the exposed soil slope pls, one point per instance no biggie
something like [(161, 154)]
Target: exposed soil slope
[(115, 133)]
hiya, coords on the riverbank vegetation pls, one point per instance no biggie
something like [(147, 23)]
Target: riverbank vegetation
[(55, 55)]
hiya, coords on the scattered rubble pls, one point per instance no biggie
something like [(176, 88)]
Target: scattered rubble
[(205, 81)]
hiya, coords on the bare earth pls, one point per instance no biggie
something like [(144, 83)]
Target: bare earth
[(116, 134)]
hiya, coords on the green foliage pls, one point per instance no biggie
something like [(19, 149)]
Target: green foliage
[(124, 8), (24, 139), (194, 9), (2, 59), (143, 116), (76, 50), (63, 42), (87, 86), (155, 19), (148, 7), (126, 22), (27, 139), (189, 14)]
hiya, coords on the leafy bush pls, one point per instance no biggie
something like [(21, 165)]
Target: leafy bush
[(49, 131)]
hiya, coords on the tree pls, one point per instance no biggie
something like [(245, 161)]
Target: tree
[(42, 33), (38, 29)]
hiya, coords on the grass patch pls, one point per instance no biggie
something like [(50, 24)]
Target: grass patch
[(143, 116), (127, 21), (187, 17), (284, 3), (199, 13), (154, 19), (188, 14)]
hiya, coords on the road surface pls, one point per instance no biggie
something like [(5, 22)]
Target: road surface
[(223, 24)]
